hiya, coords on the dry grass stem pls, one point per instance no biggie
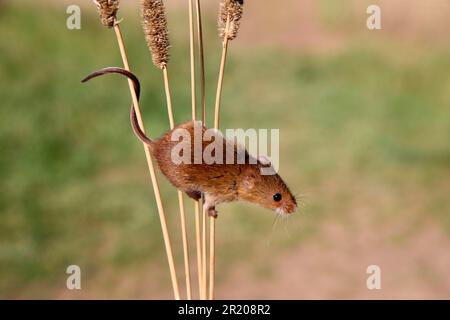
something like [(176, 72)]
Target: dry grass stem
[(151, 168), (201, 57)]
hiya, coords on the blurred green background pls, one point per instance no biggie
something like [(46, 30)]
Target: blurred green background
[(365, 143)]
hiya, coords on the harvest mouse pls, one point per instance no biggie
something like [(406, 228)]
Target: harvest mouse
[(216, 182)]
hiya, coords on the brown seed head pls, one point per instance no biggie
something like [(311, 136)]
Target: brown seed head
[(107, 10), (230, 10), (155, 28)]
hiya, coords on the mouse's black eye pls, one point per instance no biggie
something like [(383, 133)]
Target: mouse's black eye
[(277, 197)]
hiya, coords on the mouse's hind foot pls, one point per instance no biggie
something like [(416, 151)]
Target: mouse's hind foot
[(212, 212), (209, 205)]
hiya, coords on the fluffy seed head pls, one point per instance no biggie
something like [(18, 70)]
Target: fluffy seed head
[(107, 10), (155, 28), (230, 10)]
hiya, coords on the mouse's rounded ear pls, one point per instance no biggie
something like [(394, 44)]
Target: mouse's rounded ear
[(249, 178)]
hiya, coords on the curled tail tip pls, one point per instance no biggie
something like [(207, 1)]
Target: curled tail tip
[(87, 78), (107, 70), (137, 87), (93, 75)]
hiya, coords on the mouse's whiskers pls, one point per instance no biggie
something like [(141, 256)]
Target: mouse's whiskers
[(285, 221)]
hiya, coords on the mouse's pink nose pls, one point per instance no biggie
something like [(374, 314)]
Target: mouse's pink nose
[(291, 208), (288, 208)]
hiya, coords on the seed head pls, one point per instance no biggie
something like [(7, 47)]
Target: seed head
[(230, 11), (107, 10), (154, 22)]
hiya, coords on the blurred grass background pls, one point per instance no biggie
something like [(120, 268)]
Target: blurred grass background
[(365, 128)]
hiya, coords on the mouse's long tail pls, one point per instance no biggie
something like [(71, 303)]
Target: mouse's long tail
[(137, 88)]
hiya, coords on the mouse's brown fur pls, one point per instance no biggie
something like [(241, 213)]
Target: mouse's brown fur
[(217, 182)]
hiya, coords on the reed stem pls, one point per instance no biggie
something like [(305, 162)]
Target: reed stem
[(202, 58), (192, 57), (204, 291), (220, 83), (187, 272), (212, 255), (194, 117), (230, 14), (212, 221), (162, 216), (154, 23), (180, 194), (168, 96), (204, 244), (199, 248)]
